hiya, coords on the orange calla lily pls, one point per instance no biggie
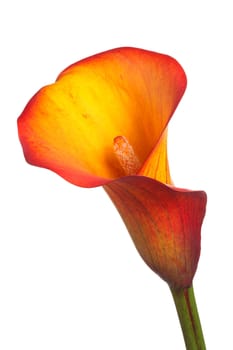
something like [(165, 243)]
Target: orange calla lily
[(104, 123)]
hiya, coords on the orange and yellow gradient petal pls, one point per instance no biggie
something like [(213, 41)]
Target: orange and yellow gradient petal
[(69, 126)]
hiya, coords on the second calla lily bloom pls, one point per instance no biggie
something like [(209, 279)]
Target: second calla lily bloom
[(103, 123)]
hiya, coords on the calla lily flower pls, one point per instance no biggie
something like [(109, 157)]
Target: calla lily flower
[(104, 123)]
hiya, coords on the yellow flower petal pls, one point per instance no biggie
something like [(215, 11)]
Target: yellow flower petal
[(69, 126)]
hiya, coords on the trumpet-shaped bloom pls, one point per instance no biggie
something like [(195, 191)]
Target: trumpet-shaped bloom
[(104, 122)]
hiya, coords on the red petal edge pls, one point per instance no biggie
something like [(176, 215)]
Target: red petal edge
[(164, 223)]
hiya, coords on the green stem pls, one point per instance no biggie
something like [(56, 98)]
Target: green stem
[(189, 319)]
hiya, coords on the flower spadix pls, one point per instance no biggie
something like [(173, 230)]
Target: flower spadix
[(104, 123)]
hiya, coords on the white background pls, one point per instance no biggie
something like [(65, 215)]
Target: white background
[(70, 277)]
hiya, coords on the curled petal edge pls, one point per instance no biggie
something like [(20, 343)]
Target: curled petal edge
[(164, 223)]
